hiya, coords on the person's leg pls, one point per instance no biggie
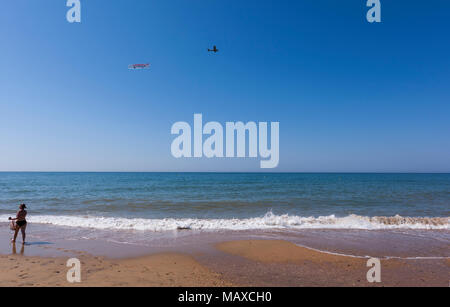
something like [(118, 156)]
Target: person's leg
[(23, 232), (15, 233)]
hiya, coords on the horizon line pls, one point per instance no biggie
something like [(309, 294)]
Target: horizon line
[(244, 172)]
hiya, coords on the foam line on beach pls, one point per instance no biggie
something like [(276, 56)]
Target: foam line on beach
[(268, 221), (367, 257), (332, 253)]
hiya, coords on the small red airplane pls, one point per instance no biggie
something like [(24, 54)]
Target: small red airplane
[(138, 66)]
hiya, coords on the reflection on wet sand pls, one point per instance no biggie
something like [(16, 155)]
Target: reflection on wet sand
[(14, 250)]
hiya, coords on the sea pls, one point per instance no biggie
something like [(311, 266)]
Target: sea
[(138, 208)]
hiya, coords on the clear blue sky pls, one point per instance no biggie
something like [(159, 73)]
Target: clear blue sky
[(349, 95)]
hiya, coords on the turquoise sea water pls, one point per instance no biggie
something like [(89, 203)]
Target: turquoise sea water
[(160, 201)]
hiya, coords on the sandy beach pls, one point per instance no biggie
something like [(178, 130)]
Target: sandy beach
[(157, 270), (233, 263)]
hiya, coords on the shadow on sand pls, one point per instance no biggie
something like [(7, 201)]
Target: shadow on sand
[(37, 243)]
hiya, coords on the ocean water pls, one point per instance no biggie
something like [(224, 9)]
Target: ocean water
[(156, 202)]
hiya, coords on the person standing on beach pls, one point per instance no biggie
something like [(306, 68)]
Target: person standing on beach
[(21, 223)]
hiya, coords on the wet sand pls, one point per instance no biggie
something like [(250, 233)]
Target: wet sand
[(231, 263), (281, 263)]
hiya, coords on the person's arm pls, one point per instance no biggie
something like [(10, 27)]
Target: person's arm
[(13, 219)]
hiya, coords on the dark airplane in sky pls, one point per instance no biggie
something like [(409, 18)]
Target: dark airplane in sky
[(214, 49)]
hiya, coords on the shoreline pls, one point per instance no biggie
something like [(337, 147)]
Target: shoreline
[(50, 240), (254, 262)]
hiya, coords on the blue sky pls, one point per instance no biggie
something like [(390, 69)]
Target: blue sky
[(349, 95)]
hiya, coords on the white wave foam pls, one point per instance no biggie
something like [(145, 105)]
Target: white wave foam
[(268, 221)]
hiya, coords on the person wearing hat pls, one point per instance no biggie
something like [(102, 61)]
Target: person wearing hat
[(21, 223)]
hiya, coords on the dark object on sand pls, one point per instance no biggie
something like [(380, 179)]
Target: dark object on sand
[(183, 228)]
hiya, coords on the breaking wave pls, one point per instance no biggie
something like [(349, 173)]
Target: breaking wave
[(268, 221)]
